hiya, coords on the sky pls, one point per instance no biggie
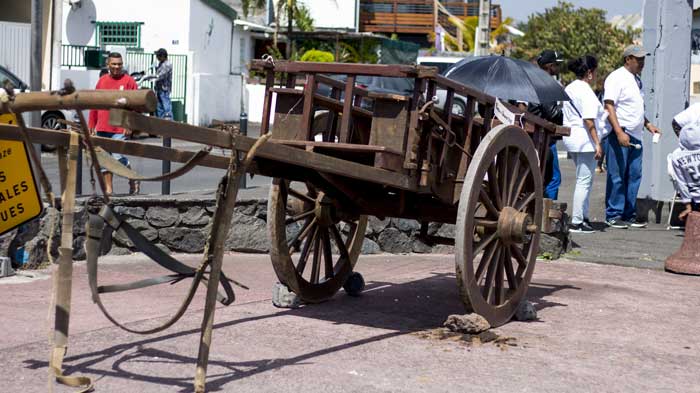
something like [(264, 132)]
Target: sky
[(520, 9)]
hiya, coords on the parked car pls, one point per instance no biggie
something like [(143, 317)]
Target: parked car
[(49, 119), (443, 63)]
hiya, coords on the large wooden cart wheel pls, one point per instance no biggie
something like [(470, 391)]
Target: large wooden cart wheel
[(313, 244), (498, 224)]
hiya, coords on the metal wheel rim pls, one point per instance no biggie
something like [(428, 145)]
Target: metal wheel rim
[(286, 267), (497, 311)]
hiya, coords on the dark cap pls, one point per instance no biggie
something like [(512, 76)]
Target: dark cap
[(634, 50), (161, 52), (549, 56)]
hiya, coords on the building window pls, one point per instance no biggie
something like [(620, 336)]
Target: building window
[(696, 88), (119, 33)]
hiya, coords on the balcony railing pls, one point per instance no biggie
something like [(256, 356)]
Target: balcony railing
[(414, 16), (74, 55)]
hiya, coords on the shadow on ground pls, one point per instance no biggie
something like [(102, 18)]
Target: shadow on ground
[(399, 308)]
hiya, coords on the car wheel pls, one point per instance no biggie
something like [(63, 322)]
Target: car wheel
[(458, 108), (50, 121)]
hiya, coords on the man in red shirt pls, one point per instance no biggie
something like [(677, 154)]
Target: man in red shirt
[(98, 122)]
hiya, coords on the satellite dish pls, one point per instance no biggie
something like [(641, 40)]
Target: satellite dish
[(80, 23)]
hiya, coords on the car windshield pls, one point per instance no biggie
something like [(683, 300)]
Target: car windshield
[(6, 74)]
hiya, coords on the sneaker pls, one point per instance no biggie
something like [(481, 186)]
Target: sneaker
[(634, 223), (617, 222), (581, 228)]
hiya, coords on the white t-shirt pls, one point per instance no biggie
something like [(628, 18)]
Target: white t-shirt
[(621, 88), (685, 169), (585, 101), (689, 115)]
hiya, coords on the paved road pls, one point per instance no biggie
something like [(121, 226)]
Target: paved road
[(647, 247), (635, 247), (600, 329)]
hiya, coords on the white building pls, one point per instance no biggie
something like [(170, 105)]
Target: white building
[(202, 32), (336, 15)]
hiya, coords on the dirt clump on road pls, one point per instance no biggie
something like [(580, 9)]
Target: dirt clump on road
[(470, 340)]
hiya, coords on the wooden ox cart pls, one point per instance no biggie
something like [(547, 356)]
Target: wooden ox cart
[(339, 152)]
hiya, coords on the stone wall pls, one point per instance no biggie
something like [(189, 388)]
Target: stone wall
[(181, 225)]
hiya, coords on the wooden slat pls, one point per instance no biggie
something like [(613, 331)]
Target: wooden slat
[(393, 70), (347, 110), (308, 112), (337, 105), (60, 138), (272, 151), (338, 146), (267, 103), (341, 85)]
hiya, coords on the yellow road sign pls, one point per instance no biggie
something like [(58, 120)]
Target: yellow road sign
[(19, 196)]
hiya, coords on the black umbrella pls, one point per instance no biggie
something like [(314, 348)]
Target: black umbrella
[(507, 79)]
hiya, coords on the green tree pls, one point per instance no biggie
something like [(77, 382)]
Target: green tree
[(468, 26), (574, 32)]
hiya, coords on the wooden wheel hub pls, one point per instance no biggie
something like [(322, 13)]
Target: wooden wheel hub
[(324, 210), (514, 226)]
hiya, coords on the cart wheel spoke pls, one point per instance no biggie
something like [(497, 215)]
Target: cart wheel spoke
[(484, 242), (520, 185), (522, 204), (495, 190), (514, 170), (298, 217), (486, 200), (300, 196), (503, 175), (519, 257), (498, 295), (308, 226), (508, 265), (490, 275), (304, 257), (327, 255), (339, 242), (486, 257), (316, 266), (487, 224)]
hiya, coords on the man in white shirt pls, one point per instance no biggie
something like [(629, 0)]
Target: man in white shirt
[(624, 102)]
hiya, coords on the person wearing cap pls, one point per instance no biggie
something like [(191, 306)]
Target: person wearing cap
[(684, 165), (624, 101), (550, 62), (163, 85)]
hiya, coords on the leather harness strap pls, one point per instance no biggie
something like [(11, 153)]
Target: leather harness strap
[(110, 164), (95, 229), (63, 276)]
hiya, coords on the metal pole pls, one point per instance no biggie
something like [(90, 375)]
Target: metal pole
[(35, 60), (56, 38), (244, 132), (35, 66), (165, 185), (482, 36)]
